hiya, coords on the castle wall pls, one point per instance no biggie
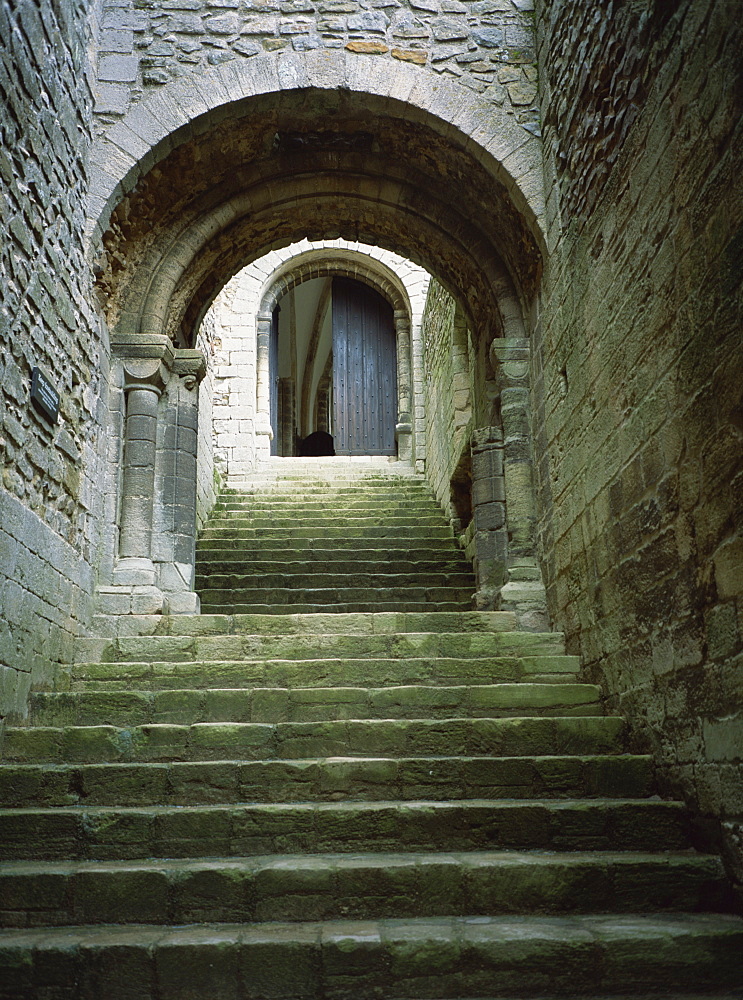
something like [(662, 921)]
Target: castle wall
[(49, 500), (638, 376), (487, 45)]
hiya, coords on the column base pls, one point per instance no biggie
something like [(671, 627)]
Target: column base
[(130, 600), (132, 571)]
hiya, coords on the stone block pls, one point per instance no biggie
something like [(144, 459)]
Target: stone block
[(117, 69)]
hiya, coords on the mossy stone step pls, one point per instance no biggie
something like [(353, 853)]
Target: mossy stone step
[(352, 579), (358, 623), (345, 608), (320, 521), (305, 646), (213, 561), (369, 779), (362, 506), (364, 960), (169, 674), (402, 534), (295, 740), (308, 704), (285, 542), (126, 833), (362, 886), (370, 597)]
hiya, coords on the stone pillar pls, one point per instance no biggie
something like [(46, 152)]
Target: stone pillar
[(157, 510), (523, 591), (263, 430), (174, 548), (134, 576), (404, 426), (489, 517)]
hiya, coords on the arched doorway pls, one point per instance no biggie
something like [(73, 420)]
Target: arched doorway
[(299, 158), (333, 370)]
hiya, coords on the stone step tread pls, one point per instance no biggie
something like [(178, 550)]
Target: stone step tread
[(168, 831), (360, 606), (328, 779), (215, 579), (169, 674), (269, 547), (258, 740), (322, 519), (282, 646), (219, 562), (355, 623), (318, 548), (429, 592), (356, 505), (641, 955), (329, 886), (266, 704)]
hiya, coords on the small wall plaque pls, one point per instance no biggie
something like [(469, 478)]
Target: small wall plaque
[(44, 396)]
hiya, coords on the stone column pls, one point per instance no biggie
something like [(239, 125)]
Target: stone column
[(523, 591), (174, 548), (263, 430), (143, 382), (404, 426), (489, 517)]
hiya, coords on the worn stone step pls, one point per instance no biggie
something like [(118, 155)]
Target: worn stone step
[(124, 833), (362, 623), (216, 561), (437, 552), (338, 590), (431, 596), (360, 886), (337, 531), (307, 645), (283, 542), (322, 521), (328, 672), (355, 504), (427, 958), (351, 580), (328, 779), (331, 608), (297, 704), (293, 740)]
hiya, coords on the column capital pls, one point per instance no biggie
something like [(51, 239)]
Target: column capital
[(143, 347), (190, 365)]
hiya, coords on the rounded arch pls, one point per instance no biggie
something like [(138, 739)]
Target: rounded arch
[(162, 121), (292, 146), (329, 262)]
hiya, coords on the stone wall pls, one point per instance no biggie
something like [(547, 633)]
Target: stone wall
[(486, 44), (448, 404), (638, 377), (50, 470)]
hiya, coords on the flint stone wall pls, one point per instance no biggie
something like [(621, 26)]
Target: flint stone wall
[(487, 45), (49, 497), (639, 378)]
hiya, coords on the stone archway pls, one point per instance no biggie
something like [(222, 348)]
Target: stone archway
[(254, 292), (290, 147)]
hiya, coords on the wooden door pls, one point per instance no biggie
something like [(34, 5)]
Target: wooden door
[(364, 371), (273, 379)]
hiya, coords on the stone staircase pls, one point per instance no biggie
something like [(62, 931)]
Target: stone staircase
[(358, 804), (325, 536)]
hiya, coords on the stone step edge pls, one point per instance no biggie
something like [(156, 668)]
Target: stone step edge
[(500, 858), (323, 623), (506, 930)]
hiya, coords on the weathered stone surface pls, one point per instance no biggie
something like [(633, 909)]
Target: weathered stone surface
[(640, 478)]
